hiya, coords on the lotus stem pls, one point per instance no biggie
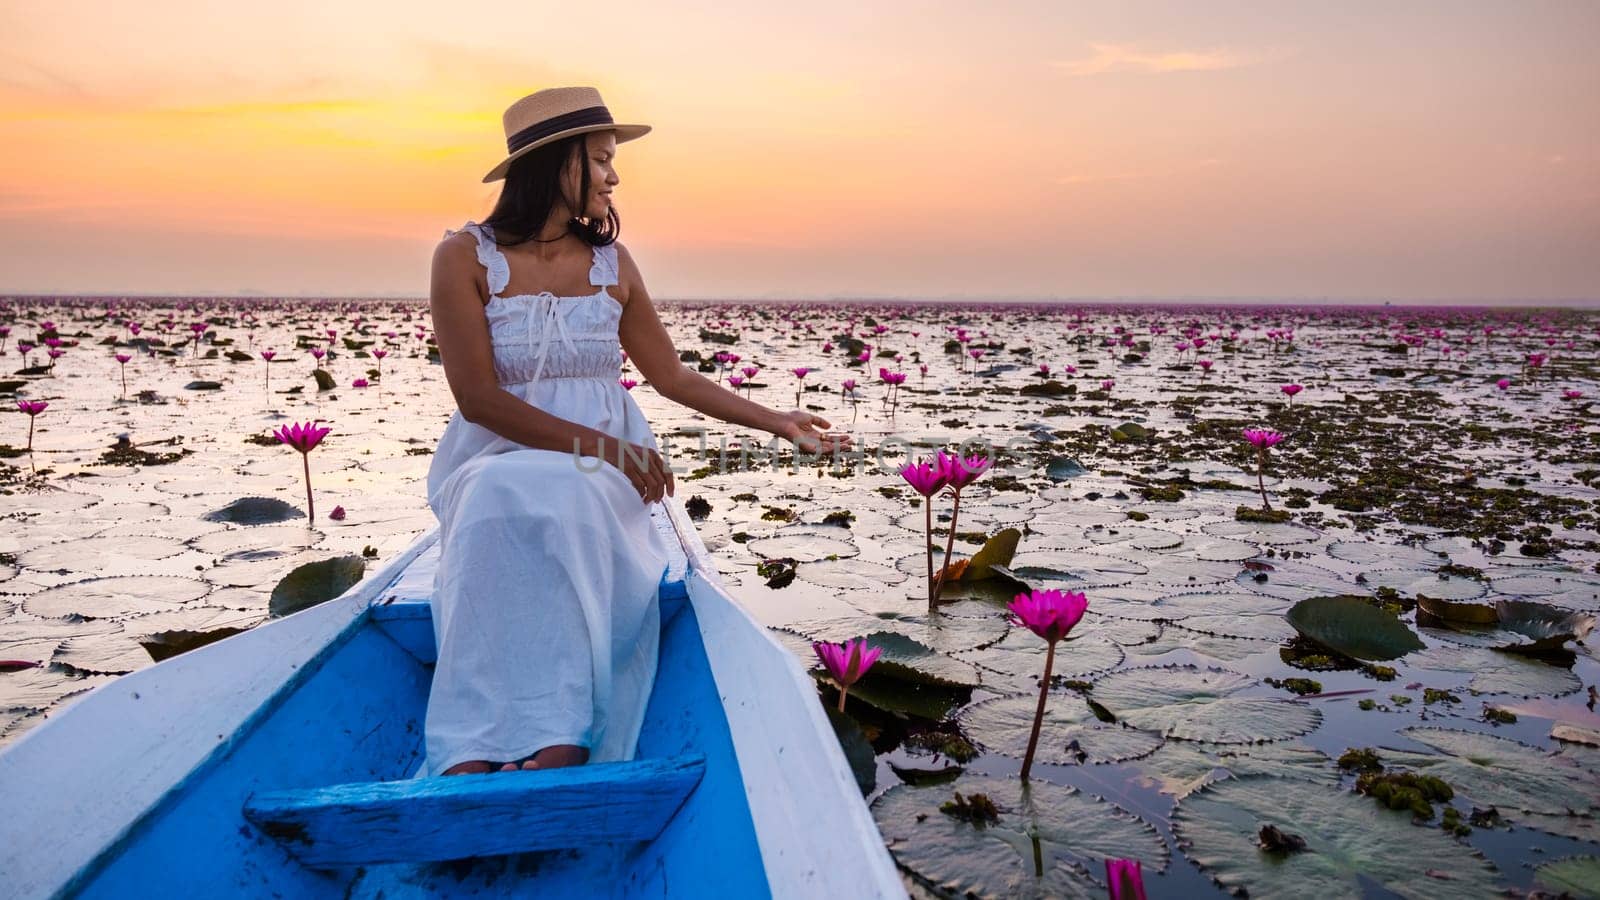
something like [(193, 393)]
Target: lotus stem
[(949, 544), (311, 510), (1038, 714)]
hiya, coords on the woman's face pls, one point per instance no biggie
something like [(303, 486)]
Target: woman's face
[(600, 156)]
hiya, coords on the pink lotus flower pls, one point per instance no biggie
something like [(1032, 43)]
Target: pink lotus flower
[(1291, 390), (1261, 439), (750, 371), (846, 662), (359, 383), (122, 364), (848, 385), (1205, 364), (32, 408), (318, 352), (734, 381), (1126, 878), (338, 514), (928, 478), (1044, 369), (380, 353), (1572, 394), (628, 383), (1051, 614), (1107, 385), (268, 355), (305, 438)]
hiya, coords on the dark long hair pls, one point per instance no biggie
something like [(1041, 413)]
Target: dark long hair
[(533, 188)]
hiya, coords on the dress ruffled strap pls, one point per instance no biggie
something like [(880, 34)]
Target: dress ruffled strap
[(489, 255), (604, 271)]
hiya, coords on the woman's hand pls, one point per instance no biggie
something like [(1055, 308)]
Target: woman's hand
[(647, 471), (801, 427)]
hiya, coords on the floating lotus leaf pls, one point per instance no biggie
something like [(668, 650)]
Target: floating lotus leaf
[(1062, 468), (1352, 626), (314, 583), (1069, 735), (1415, 583), (1222, 649), (1451, 612), (98, 554), (1547, 627), (805, 544), (1261, 627), (1381, 554), (1353, 845), (254, 511), (941, 631), (1049, 840), (1016, 662), (1577, 875), (115, 597), (1202, 705), (1180, 767), (1177, 607), (903, 657), (1517, 626), (1501, 772), (849, 574), (1494, 672), (167, 644), (39, 687), (1261, 532)]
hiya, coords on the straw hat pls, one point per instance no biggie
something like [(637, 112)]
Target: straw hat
[(552, 114)]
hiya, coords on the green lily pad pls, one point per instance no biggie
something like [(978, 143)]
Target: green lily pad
[(1494, 672), (1130, 431), (1069, 735), (1352, 626), (1501, 772), (996, 551), (1352, 844), (315, 582), (1196, 704), (1452, 612), (1180, 768), (1048, 840), (1577, 875), (254, 511), (1015, 662)]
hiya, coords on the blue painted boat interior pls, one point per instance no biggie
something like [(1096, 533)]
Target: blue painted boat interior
[(356, 715)]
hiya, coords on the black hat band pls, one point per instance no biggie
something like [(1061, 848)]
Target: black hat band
[(594, 115)]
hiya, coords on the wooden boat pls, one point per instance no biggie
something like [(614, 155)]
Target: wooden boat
[(283, 762)]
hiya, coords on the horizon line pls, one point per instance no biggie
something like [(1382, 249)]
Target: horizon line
[(1523, 302)]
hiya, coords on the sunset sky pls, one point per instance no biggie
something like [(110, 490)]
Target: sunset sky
[(1121, 149)]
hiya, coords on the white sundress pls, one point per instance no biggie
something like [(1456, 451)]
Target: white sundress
[(546, 609)]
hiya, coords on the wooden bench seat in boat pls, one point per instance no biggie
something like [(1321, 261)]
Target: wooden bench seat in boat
[(456, 816)]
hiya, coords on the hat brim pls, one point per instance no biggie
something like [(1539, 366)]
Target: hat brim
[(624, 133)]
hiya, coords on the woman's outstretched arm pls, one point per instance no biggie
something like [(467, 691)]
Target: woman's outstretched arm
[(650, 348)]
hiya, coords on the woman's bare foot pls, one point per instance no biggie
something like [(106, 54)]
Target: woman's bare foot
[(553, 757), (470, 767)]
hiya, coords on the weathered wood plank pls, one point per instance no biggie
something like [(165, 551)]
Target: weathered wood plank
[(455, 816)]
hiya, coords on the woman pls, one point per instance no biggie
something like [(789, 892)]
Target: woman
[(545, 610)]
